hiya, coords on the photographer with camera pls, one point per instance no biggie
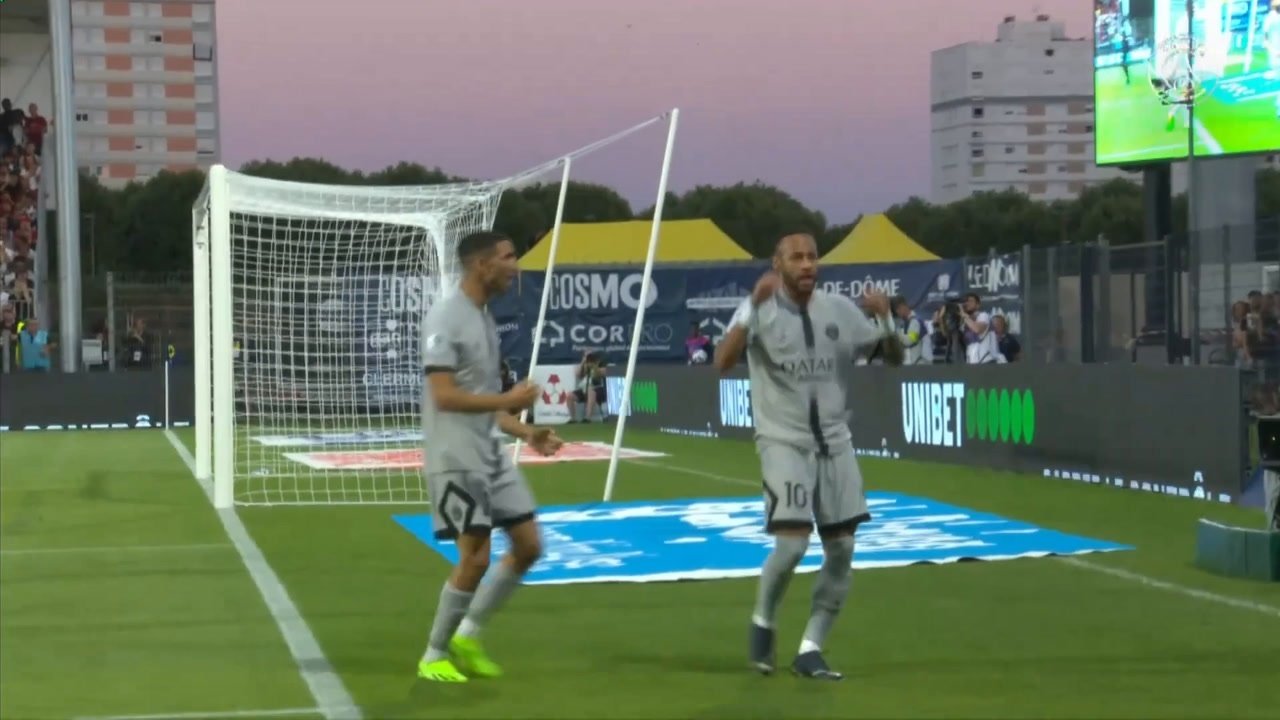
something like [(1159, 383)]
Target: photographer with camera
[(588, 387), (948, 334), (980, 344)]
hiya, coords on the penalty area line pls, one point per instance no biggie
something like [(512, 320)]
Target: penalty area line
[(227, 714), (1118, 573), (325, 685)]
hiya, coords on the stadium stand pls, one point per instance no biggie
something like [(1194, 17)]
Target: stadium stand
[(21, 141)]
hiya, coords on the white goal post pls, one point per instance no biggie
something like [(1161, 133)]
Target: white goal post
[(308, 344)]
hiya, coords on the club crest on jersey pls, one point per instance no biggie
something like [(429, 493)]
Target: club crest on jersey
[(833, 331)]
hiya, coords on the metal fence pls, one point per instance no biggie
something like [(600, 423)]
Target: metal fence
[(113, 304), (1164, 302)]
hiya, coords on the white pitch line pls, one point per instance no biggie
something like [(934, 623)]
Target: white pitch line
[(1210, 142), (1238, 603), (326, 687), (1133, 577), (226, 714), (110, 549)]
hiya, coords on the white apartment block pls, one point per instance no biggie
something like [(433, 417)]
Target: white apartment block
[(1015, 114), (146, 90)]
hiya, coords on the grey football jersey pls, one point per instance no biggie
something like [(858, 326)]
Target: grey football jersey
[(799, 360), (463, 338)]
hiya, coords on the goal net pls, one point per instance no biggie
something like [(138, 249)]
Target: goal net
[(309, 302)]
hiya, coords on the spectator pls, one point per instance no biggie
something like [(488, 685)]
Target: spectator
[(34, 345), (1240, 334), (589, 388), (137, 346), (1006, 341), (8, 118), (8, 333), (911, 332), (697, 346), (36, 127)]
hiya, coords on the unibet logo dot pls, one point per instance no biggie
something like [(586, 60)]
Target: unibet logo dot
[(644, 397), (1000, 415)]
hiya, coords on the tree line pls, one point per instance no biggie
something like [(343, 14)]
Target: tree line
[(146, 227)]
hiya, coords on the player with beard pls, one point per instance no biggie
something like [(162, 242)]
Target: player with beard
[(801, 344), (474, 485)]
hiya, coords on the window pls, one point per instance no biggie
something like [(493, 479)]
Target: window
[(976, 134), (1008, 149), (98, 170), (159, 117), (1048, 52), (79, 8), (141, 117), (205, 146), (157, 144), (82, 117), (976, 75), (204, 68), (976, 152), (155, 38), (204, 93), (202, 12), (204, 120), (154, 63), (202, 52), (978, 112), (978, 170)]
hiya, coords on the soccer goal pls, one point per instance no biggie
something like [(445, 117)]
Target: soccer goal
[(308, 345)]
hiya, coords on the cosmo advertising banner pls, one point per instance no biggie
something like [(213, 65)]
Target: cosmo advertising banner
[(596, 310), (354, 340), (998, 281)]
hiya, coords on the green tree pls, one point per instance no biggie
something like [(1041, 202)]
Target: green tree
[(755, 215)]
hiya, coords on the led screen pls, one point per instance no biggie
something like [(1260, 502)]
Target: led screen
[(1154, 61)]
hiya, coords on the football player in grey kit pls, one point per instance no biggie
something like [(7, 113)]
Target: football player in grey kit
[(801, 344), (474, 485)]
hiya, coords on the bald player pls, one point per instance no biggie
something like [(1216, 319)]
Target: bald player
[(474, 485), (801, 344)]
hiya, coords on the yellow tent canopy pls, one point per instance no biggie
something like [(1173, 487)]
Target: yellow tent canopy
[(627, 242), (875, 239)]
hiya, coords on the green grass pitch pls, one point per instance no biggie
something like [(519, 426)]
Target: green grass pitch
[(120, 595), (1132, 126)]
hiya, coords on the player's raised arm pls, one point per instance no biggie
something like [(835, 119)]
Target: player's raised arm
[(866, 333), (743, 323)]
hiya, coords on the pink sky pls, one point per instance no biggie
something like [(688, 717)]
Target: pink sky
[(828, 99)]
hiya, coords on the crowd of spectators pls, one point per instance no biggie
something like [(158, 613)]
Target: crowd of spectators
[(1256, 345), (22, 136)]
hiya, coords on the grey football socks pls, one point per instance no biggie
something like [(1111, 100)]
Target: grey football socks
[(453, 607), (776, 576), (829, 591)]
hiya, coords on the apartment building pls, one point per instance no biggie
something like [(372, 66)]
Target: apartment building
[(1016, 113), (146, 91)]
